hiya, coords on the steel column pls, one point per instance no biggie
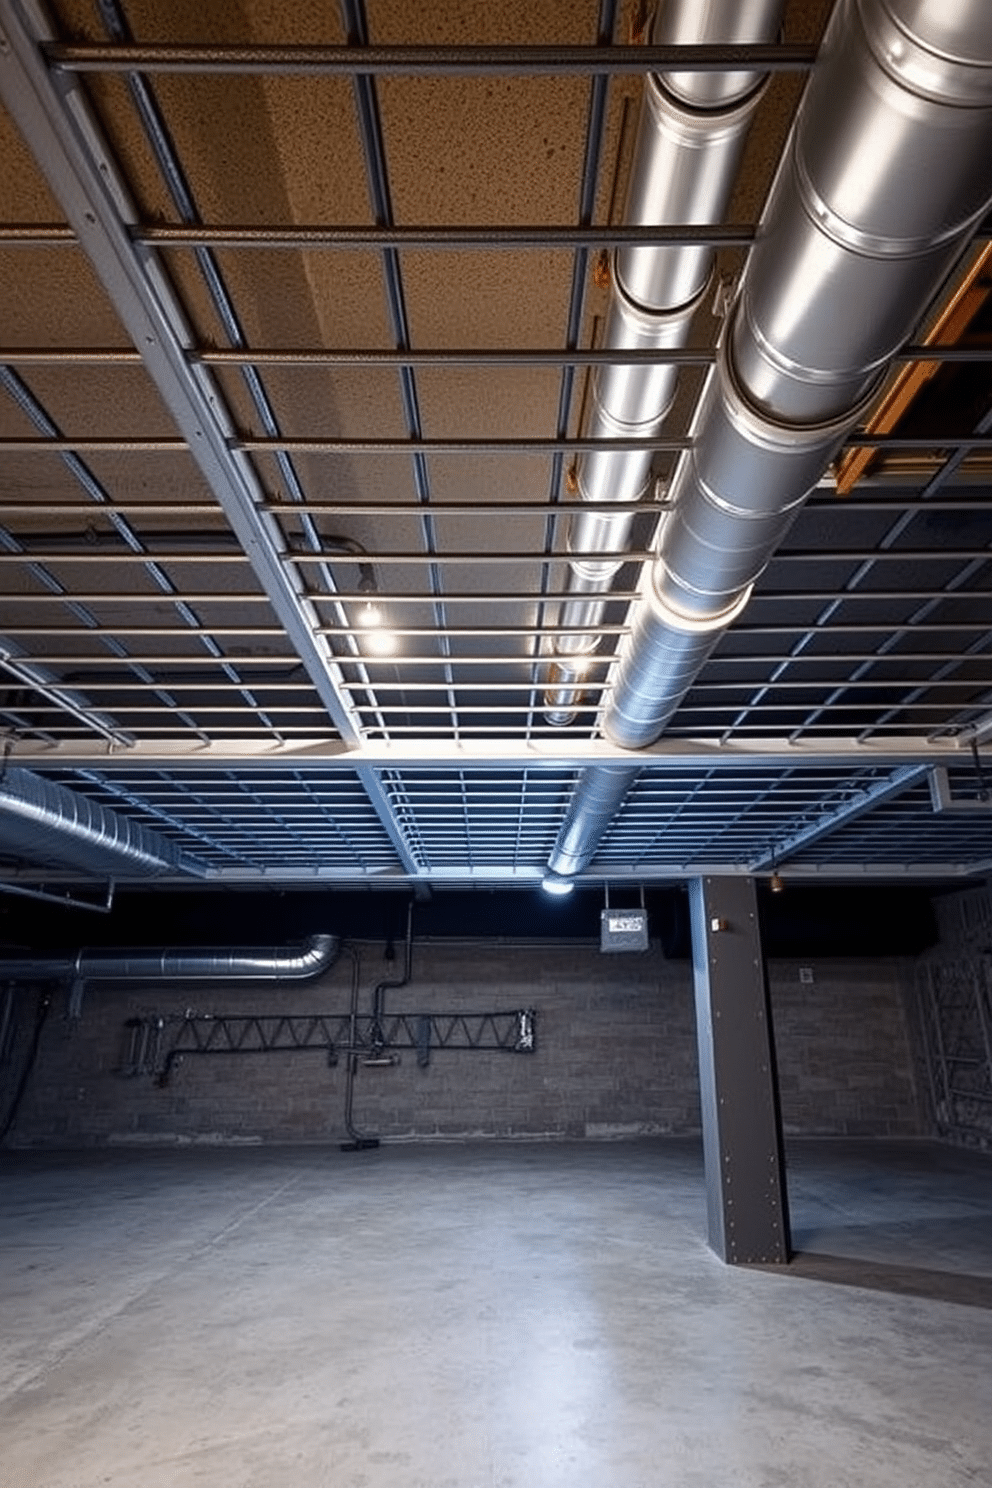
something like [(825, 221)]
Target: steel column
[(746, 1196)]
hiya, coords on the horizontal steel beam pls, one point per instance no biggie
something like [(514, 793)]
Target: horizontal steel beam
[(249, 629), (508, 876), (425, 61), (491, 507), (324, 555), (563, 754), (312, 356), (97, 555), (688, 708), (171, 665), (230, 597), (529, 600), (857, 805), (321, 446), (313, 236)]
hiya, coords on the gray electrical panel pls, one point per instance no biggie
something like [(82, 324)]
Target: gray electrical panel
[(623, 930)]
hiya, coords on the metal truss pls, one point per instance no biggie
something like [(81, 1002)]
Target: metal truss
[(157, 1042)]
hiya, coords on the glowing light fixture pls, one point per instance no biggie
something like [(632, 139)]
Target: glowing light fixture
[(554, 883), (381, 640)]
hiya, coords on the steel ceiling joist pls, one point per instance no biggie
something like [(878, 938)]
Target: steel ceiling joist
[(860, 802), (566, 753), (426, 61)]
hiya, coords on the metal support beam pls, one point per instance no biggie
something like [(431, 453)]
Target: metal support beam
[(942, 799), (746, 1196), (79, 167), (367, 356), (428, 61), (53, 115), (774, 753), (863, 800)]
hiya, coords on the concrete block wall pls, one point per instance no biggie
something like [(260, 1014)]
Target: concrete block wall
[(844, 1059), (615, 1056)]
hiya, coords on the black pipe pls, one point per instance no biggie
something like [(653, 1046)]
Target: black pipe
[(376, 1036), (357, 1141)]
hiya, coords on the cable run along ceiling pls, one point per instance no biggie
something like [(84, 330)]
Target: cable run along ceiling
[(300, 334)]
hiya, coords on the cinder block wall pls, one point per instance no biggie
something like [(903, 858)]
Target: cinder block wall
[(615, 1056), (844, 1059)]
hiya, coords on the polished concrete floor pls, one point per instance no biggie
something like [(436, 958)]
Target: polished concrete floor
[(474, 1316)]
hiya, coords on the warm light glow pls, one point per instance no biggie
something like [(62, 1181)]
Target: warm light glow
[(380, 641), (553, 883)]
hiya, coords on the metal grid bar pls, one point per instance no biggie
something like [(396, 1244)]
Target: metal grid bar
[(484, 507), (427, 61), (318, 356), (314, 445), (300, 236)]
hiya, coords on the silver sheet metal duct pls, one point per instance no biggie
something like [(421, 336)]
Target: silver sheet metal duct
[(689, 140), (228, 964), (887, 173), (44, 823)]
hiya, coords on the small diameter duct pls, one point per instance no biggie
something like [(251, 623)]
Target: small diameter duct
[(227, 964), (689, 140), (887, 173), (41, 821)]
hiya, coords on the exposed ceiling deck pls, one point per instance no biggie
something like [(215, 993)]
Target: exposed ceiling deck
[(367, 301)]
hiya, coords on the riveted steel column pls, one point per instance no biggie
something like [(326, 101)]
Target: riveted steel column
[(746, 1196)]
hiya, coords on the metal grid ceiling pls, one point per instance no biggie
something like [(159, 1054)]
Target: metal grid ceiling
[(379, 298)]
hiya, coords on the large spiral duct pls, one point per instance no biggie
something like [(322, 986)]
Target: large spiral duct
[(686, 155), (886, 175)]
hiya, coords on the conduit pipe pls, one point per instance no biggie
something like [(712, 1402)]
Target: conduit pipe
[(690, 135), (39, 818), (886, 175)]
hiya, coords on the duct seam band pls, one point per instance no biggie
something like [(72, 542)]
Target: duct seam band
[(687, 120), (778, 434), (801, 371), (663, 611), (866, 244), (921, 66), (655, 318), (595, 571)]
